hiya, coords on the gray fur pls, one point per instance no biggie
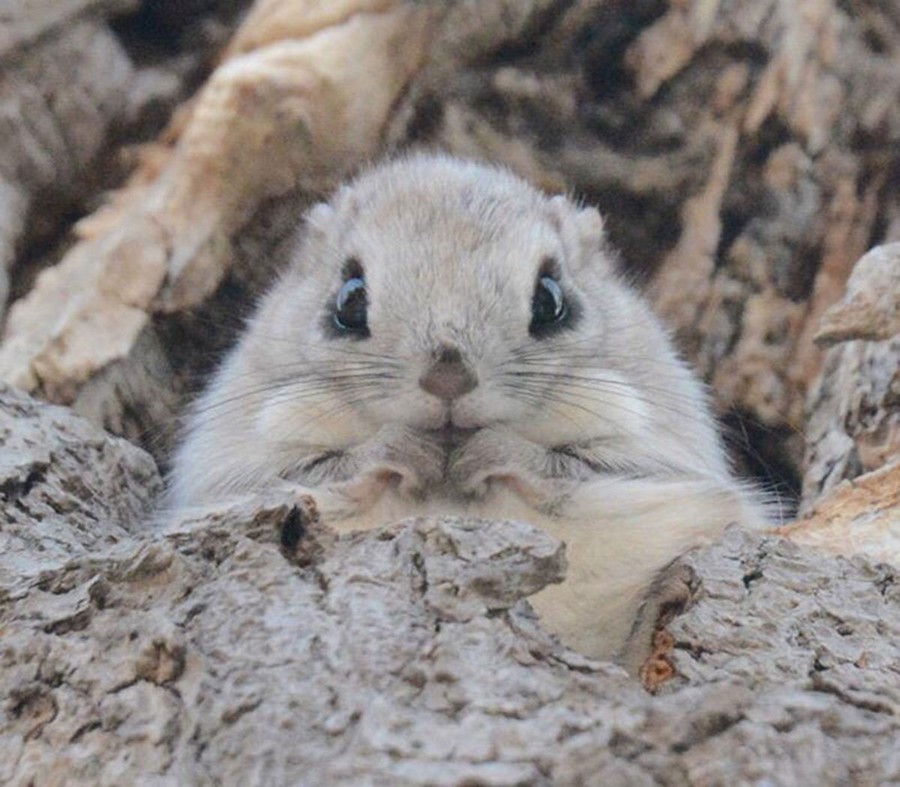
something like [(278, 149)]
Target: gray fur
[(600, 433)]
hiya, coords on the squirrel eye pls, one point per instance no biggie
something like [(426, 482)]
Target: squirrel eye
[(350, 307), (548, 305)]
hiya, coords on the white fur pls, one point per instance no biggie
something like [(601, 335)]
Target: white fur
[(611, 447)]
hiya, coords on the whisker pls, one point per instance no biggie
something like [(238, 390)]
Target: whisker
[(592, 381), (597, 385), (655, 367), (546, 396), (572, 400), (280, 391), (341, 407), (303, 371), (527, 396), (345, 346)]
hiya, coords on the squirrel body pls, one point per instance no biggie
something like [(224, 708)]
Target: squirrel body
[(450, 340)]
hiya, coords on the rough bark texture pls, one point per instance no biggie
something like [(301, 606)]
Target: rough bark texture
[(859, 516), (51, 127), (253, 647), (79, 80), (854, 422), (59, 478), (744, 154)]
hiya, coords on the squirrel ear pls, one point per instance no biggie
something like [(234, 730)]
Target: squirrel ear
[(344, 200), (590, 227), (311, 233), (586, 224), (319, 216)]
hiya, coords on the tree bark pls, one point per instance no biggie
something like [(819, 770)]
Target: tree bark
[(253, 646), (854, 421)]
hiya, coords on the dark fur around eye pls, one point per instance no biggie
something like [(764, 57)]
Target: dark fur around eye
[(349, 313), (551, 309)]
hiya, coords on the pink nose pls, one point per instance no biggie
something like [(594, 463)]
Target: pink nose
[(448, 377)]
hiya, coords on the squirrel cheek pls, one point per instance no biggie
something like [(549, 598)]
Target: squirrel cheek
[(318, 422), (611, 408)]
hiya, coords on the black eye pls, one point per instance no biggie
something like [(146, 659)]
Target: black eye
[(351, 306), (548, 306)]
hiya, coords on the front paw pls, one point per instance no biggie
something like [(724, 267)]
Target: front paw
[(497, 456), (410, 458)]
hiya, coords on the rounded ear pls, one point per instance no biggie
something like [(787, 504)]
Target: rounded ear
[(310, 237), (590, 226), (319, 216), (586, 225)]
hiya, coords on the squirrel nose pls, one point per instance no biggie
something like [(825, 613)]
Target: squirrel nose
[(448, 377)]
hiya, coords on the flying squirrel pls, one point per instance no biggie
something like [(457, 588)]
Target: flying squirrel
[(448, 339)]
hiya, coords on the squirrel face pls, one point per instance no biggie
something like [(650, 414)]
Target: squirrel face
[(449, 302), (449, 297)]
